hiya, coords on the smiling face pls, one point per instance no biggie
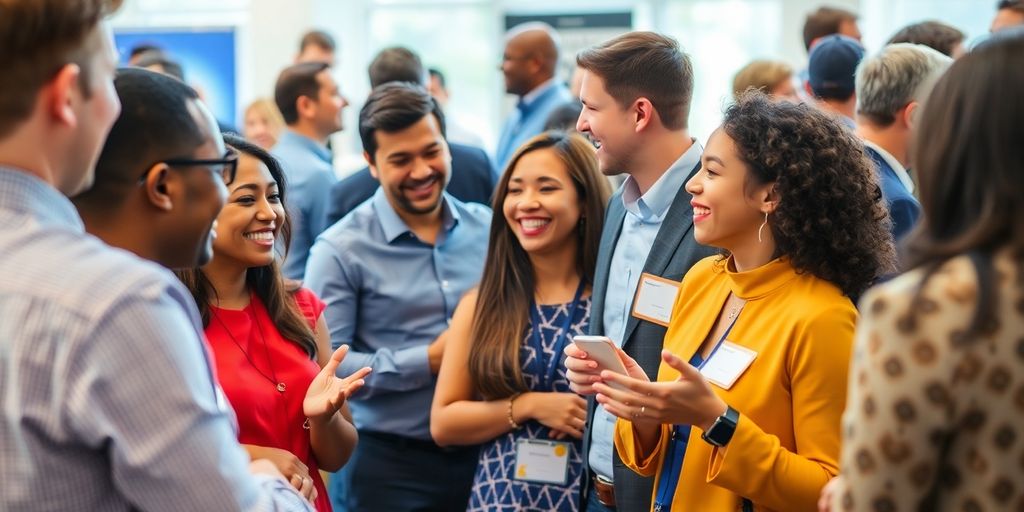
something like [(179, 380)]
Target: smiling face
[(413, 166), (542, 206), (252, 218), (726, 207), (607, 124)]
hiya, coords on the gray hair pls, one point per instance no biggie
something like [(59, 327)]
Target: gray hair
[(899, 74)]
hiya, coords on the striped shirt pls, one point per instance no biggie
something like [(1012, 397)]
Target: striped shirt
[(107, 401)]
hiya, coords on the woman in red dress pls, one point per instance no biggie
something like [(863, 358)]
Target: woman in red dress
[(269, 338)]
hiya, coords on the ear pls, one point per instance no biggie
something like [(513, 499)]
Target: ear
[(305, 106), (643, 114), (160, 187), (769, 199), (373, 167), (63, 90), (909, 114)]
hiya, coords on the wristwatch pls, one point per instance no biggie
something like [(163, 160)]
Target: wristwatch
[(722, 429)]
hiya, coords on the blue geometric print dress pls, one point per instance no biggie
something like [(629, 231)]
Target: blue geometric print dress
[(494, 488)]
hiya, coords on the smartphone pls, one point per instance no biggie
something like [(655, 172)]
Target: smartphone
[(602, 349)]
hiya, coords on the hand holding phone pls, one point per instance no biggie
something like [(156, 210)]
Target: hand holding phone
[(602, 350)]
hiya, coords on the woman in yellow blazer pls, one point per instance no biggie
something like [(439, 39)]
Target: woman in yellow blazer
[(758, 345)]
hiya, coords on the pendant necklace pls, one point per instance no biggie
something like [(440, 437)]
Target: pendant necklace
[(272, 378)]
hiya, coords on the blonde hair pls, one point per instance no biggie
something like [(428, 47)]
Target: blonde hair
[(762, 75), (268, 109)]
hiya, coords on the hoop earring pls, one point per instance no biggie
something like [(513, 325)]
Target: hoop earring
[(763, 224)]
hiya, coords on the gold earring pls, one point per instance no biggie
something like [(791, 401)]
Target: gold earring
[(763, 224)]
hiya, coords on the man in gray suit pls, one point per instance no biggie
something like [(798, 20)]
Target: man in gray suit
[(636, 96)]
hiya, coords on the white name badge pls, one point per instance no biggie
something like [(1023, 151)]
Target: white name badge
[(542, 461), (655, 297), (727, 364)]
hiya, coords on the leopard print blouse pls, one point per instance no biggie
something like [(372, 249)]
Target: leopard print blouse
[(933, 421)]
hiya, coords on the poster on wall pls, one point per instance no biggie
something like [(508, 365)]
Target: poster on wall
[(205, 56)]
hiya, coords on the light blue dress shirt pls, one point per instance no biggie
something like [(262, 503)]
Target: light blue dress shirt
[(389, 295), (310, 174), (107, 400), (643, 220), (528, 119)]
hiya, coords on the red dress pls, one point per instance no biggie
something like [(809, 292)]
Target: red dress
[(252, 359)]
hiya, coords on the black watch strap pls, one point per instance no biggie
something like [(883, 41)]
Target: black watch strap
[(723, 428)]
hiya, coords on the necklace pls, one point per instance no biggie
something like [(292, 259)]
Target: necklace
[(272, 378)]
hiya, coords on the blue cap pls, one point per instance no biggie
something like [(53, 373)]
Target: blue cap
[(832, 65)]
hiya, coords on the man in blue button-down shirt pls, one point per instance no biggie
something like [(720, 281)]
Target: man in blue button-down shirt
[(529, 64), (311, 104), (391, 273)]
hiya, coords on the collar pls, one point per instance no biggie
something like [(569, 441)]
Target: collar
[(897, 167), (26, 193), (653, 205), (533, 96), (759, 282), (394, 226), (292, 138)]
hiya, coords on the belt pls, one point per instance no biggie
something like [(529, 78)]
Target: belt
[(420, 444), (605, 490)]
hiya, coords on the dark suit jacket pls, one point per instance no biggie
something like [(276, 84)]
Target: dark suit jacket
[(673, 253), (472, 181), (904, 209)]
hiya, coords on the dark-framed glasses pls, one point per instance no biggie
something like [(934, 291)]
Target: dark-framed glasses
[(226, 167)]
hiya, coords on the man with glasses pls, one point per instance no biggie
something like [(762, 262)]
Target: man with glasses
[(160, 179), (529, 64), (107, 399)]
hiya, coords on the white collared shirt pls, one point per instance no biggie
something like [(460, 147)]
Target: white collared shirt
[(897, 167)]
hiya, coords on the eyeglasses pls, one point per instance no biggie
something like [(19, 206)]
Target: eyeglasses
[(226, 167)]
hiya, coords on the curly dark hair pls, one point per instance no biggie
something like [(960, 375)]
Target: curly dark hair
[(831, 219)]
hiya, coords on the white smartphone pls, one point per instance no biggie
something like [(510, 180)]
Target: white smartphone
[(602, 349)]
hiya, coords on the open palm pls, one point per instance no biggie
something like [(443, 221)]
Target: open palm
[(327, 393)]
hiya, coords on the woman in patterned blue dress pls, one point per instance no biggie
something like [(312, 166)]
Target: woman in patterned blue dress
[(502, 384)]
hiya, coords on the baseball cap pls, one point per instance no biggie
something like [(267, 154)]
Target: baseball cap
[(832, 65)]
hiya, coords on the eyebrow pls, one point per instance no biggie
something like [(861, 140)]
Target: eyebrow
[(253, 186), (404, 154), (712, 158), (542, 179)]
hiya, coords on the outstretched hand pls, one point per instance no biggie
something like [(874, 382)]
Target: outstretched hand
[(688, 400), (327, 393)]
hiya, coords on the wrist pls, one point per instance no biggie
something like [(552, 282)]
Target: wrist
[(321, 420), (717, 410)]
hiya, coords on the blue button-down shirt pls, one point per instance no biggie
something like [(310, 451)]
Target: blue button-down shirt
[(307, 166), (106, 396), (528, 119), (389, 295), (640, 227)]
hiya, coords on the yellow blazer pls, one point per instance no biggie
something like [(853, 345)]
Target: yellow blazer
[(790, 399)]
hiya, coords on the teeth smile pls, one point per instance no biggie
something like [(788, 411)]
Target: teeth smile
[(533, 223), (261, 235), (700, 210)]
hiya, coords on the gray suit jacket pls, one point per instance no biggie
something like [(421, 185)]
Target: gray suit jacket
[(673, 253)]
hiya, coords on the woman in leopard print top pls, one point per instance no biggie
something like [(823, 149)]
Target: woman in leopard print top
[(936, 400)]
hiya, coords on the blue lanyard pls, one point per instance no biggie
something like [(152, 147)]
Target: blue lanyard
[(672, 465), (547, 377)]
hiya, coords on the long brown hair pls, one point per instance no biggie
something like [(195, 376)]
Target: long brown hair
[(507, 286), (969, 159), (265, 282)]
